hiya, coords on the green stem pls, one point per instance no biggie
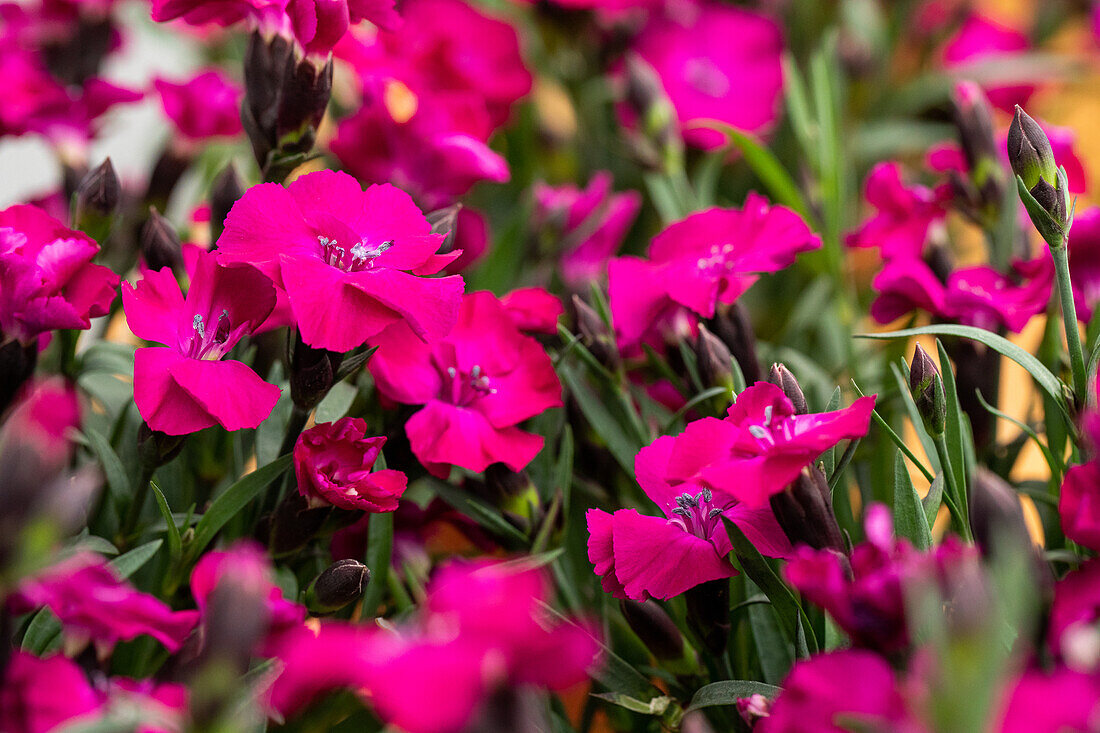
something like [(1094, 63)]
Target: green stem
[(957, 502), (1069, 319)]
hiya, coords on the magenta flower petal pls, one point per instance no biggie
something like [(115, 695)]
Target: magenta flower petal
[(162, 402), (442, 433), (1079, 504), (685, 560), (207, 383), (41, 695), (601, 550), (333, 462), (153, 306)]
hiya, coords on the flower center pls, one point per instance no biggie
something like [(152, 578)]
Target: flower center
[(718, 261), (208, 343), (465, 388), (696, 514), (354, 259)]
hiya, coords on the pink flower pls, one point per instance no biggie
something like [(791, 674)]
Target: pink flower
[(482, 627), (975, 296), (318, 659), (1079, 504), (818, 697), (317, 24), (94, 603), (592, 222), (639, 556), (333, 462), (207, 105), (40, 695), (710, 257), (349, 260), (434, 152), (40, 423), (904, 214), (983, 41), (1038, 702), (709, 78), (1084, 261), (1073, 616), (47, 279), (865, 593), (476, 384), (760, 447), (533, 310), (185, 386)]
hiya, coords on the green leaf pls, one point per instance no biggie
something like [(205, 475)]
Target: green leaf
[(485, 515), (1042, 376), (43, 633), (336, 403), (933, 499), (1053, 463), (910, 520), (765, 165), (233, 499), (379, 553), (172, 532), (727, 692), (955, 432), (760, 572), (894, 437), (655, 706), (117, 479), (132, 561), (774, 651), (622, 447)]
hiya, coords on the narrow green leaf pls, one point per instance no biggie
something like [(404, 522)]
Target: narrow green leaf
[(1053, 463), (910, 520), (336, 403), (379, 553), (113, 471), (894, 437), (171, 531), (232, 500), (774, 650), (621, 446), (654, 706), (933, 499), (485, 515), (132, 561), (1042, 376), (955, 433), (43, 633), (728, 692), (760, 572), (914, 415)]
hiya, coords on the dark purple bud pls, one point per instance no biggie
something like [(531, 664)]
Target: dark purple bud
[(224, 192), (713, 360), (294, 524), (708, 613), (995, 512), (655, 628), (595, 334), (1029, 151), (160, 245), (804, 511), (17, 363), (781, 377), (733, 326), (445, 221), (926, 386), (157, 448), (98, 192), (312, 373), (337, 586)]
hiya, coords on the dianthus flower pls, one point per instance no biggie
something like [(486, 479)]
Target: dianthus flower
[(476, 384), (206, 105), (349, 260), (333, 464), (904, 214), (185, 385)]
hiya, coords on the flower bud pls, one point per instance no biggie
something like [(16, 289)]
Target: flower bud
[(295, 523), (974, 122), (804, 511), (1029, 151), (160, 245), (733, 326), (662, 146), (340, 584), (655, 628), (708, 613), (312, 373), (781, 377), (224, 192), (445, 221), (595, 334), (17, 363), (98, 192), (1042, 185), (503, 484), (926, 386), (995, 512), (713, 359)]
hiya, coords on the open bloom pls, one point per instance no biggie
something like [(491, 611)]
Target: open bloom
[(982, 41), (592, 223), (333, 463), (349, 260), (185, 385), (903, 214), (476, 384), (706, 76), (47, 279), (710, 257), (639, 556), (759, 448), (205, 106), (93, 603)]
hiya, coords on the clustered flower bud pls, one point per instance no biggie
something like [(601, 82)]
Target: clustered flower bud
[(337, 586), (160, 245), (804, 510), (781, 377)]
